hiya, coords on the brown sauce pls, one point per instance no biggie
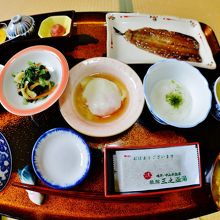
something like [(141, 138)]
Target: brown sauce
[(80, 102)]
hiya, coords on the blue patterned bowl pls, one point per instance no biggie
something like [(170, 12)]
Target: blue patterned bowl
[(20, 26), (5, 162)]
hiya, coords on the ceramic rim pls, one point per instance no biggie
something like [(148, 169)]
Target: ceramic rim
[(36, 169), (53, 97), (130, 79), (156, 116)]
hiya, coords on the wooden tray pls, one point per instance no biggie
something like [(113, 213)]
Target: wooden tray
[(89, 40)]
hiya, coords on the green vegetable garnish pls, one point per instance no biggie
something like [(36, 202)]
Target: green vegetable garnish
[(33, 83), (52, 83), (175, 99)]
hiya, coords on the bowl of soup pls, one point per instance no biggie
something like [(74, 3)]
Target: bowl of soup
[(177, 94)]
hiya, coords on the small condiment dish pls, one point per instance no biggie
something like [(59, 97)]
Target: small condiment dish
[(20, 26), (61, 158), (177, 94), (216, 99), (217, 90), (57, 66), (48, 23)]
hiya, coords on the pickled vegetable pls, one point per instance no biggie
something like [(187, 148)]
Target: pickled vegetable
[(57, 30)]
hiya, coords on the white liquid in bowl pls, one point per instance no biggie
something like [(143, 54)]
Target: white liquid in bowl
[(171, 100)]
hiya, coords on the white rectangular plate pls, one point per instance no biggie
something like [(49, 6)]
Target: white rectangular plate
[(120, 49)]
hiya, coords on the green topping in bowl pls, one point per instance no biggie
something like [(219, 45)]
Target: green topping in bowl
[(175, 99)]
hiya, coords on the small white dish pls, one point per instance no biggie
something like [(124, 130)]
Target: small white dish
[(121, 49), (112, 67), (61, 158), (48, 23), (177, 94)]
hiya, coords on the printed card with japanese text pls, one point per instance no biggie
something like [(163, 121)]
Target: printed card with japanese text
[(158, 168)]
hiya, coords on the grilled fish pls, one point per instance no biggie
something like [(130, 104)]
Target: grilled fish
[(168, 44)]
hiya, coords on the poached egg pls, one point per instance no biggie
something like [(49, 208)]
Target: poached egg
[(103, 97)]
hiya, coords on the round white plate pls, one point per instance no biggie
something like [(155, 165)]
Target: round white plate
[(109, 66), (61, 158)]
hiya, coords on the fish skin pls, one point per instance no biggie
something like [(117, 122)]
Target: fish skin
[(168, 44)]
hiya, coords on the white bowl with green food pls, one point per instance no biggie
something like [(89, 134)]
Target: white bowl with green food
[(177, 94), (33, 79)]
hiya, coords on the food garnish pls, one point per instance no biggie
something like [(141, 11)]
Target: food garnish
[(168, 44), (57, 30), (171, 100), (175, 99), (34, 83)]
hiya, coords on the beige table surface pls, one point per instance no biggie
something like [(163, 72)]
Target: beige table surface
[(206, 11)]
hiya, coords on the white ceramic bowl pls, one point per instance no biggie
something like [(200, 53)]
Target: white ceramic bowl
[(117, 69), (48, 56), (177, 94), (216, 90), (61, 158), (216, 100)]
